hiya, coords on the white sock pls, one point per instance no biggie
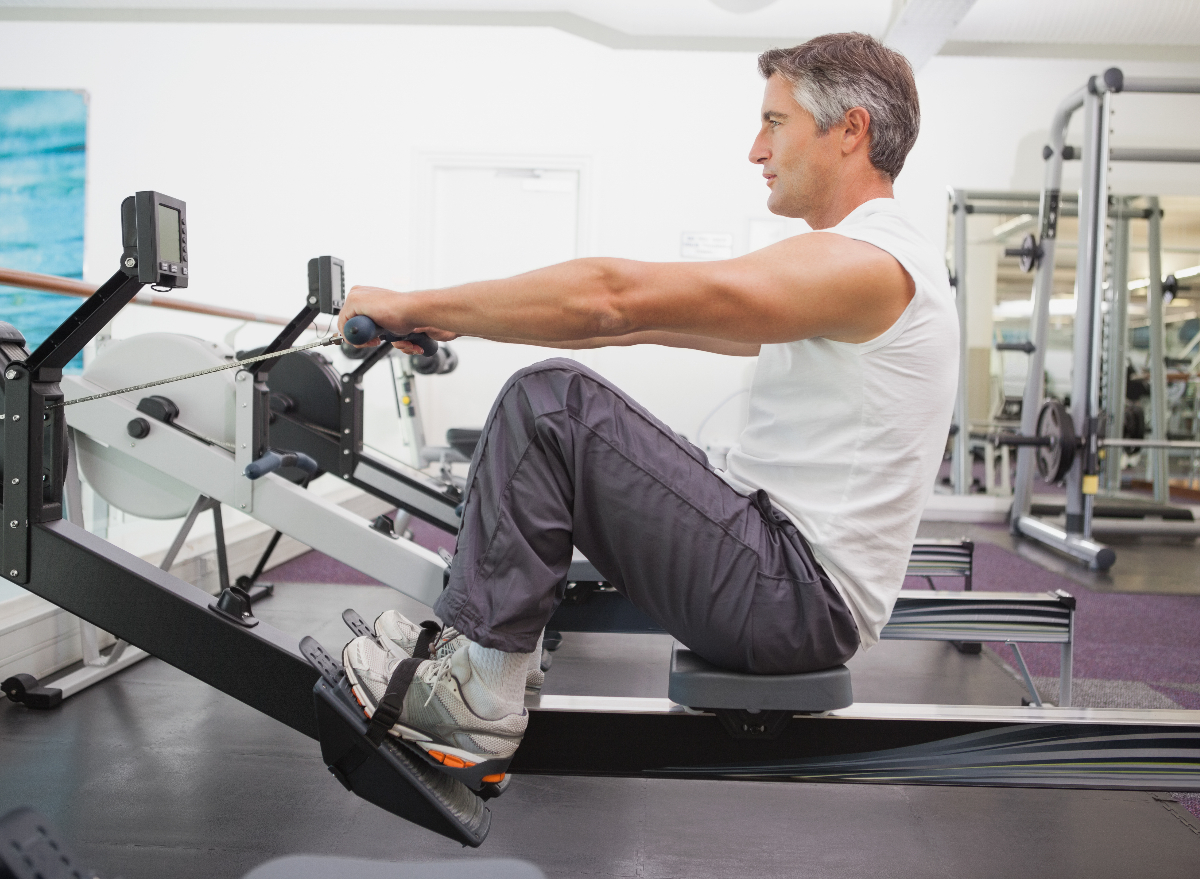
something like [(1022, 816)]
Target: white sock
[(535, 658), (496, 686)]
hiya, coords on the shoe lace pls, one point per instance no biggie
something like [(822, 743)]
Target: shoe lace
[(436, 672), (444, 640)]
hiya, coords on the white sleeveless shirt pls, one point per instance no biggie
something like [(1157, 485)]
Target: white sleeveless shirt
[(847, 438)]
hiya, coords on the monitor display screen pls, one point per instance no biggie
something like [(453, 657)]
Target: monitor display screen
[(336, 291), (168, 234)]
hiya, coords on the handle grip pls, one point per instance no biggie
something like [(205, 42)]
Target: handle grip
[(1017, 439), (1026, 346), (360, 330), (273, 460)]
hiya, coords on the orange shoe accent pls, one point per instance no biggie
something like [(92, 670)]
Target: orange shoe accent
[(493, 779), (437, 755), (454, 762)]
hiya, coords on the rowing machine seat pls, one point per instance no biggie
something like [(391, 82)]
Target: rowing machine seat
[(698, 683)]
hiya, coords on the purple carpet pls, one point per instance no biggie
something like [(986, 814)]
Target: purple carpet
[(315, 567)]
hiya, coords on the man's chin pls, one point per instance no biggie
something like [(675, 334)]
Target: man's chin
[(783, 207)]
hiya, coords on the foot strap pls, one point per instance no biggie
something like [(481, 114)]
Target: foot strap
[(387, 712), (430, 632)]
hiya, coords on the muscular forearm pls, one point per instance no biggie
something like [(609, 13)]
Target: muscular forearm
[(569, 301), (645, 337)]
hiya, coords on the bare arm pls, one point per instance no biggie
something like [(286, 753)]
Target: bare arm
[(813, 285), (648, 337)]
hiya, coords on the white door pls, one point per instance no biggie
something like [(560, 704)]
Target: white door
[(492, 222)]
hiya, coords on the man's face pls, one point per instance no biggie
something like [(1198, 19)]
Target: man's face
[(797, 162)]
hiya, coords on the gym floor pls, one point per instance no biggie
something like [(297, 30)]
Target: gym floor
[(153, 774)]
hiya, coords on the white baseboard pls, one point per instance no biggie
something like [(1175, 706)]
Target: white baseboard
[(39, 639), (978, 508)]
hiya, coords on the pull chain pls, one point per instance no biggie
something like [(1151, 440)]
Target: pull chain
[(234, 365)]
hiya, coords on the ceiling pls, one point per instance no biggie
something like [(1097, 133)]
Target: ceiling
[(1110, 29)]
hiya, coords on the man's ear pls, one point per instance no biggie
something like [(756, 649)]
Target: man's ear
[(856, 129)]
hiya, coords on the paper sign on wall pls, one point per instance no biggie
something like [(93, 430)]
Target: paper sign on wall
[(706, 245)]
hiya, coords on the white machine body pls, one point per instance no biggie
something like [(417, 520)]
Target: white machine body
[(162, 474)]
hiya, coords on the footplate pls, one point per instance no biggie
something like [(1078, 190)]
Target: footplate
[(391, 775), (353, 619)]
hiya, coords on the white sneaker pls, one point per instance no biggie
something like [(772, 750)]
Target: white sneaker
[(400, 636), (435, 717)]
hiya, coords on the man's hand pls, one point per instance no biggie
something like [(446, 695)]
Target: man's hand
[(386, 309), (432, 332)]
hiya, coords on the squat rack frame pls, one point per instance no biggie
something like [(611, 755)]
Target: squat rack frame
[(1095, 98)]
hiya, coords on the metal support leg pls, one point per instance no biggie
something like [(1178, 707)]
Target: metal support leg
[(222, 559), (1089, 292), (1065, 676), (1158, 378), (202, 503), (1043, 287), (1037, 700), (1118, 331), (99, 665)]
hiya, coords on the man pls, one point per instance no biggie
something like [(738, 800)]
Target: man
[(790, 559)]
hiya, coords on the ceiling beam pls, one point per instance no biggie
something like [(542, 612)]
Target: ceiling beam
[(919, 28), (592, 31), (567, 22)]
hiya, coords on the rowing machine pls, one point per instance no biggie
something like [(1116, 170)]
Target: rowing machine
[(790, 727)]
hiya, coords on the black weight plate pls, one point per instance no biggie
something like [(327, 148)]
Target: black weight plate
[(1029, 253), (1054, 461)]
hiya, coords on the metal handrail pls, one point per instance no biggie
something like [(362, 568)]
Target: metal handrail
[(69, 287)]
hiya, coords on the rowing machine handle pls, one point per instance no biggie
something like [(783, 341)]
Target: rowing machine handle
[(273, 460), (360, 330)]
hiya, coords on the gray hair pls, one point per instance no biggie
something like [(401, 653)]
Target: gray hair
[(832, 74)]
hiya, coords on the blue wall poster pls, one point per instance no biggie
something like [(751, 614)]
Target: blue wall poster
[(43, 136)]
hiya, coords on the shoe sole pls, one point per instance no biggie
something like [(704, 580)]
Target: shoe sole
[(471, 769)]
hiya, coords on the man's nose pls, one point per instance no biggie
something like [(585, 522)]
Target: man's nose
[(758, 152)]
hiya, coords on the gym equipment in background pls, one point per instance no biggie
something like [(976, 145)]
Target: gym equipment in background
[(1082, 475)]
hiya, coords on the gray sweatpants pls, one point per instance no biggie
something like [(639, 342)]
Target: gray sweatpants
[(568, 459)]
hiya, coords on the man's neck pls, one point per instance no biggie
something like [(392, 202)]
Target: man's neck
[(845, 199)]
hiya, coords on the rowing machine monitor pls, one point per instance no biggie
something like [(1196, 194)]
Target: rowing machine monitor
[(154, 235), (326, 284)]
